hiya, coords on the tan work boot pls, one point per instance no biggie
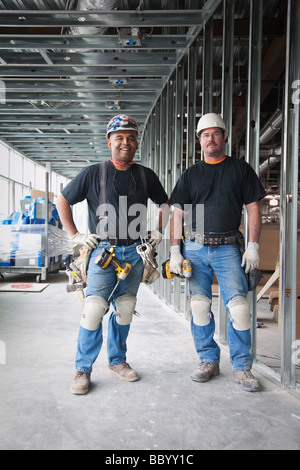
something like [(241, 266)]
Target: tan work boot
[(248, 382), (81, 383), (124, 372), (205, 371)]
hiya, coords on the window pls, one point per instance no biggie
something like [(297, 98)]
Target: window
[(40, 178), (4, 160), (4, 191), (17, 173), (29, 173), (16, 167)]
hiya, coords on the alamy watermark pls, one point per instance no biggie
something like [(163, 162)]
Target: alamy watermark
[(2, 353), (296, 353), (2, 92), (296, 94), (131, 221)]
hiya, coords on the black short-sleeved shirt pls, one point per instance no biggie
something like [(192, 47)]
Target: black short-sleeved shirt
[(222, 188), (119, 184)]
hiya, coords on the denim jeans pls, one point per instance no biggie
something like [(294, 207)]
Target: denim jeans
[(225, 261), (101, 282)]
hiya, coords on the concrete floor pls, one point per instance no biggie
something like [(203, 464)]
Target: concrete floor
[(165, 410)]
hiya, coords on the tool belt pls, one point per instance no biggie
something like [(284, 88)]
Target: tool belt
[(120, 242), (148, 254), (215, 239)]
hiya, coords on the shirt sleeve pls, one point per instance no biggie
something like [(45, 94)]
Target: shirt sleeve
[(253, 190), (77, 189), (181, 193), (155, 189)]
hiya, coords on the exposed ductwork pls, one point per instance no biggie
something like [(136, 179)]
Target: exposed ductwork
[(88, 5), (272, 127), (273, 158)]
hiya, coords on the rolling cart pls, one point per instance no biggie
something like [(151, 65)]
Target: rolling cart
[(35, 248)]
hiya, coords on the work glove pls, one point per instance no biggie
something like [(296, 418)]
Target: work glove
[(176, 260), (154, 237), (87, 240), (250, 258)]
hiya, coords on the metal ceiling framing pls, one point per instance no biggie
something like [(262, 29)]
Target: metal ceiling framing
[(68, 66), (62, 88)]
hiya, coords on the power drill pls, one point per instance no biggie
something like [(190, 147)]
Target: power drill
[(106, 257), (186, 270)]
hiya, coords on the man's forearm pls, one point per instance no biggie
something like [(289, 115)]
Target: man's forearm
[(254, 221), (176, 226), (163, 216), (66, 216)]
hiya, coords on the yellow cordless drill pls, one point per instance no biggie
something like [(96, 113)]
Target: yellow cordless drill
[(106, 257), (186, 270)]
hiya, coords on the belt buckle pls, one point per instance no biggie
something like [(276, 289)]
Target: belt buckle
[(200, 239)]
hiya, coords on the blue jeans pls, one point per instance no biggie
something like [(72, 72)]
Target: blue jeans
[(101, 282), (225, 261)]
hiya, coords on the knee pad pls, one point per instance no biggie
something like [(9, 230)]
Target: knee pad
[(240, 315), (125, 307), (93, 312), (200, 305)]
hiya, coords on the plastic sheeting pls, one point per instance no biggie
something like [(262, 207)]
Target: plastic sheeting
[(30, 244)]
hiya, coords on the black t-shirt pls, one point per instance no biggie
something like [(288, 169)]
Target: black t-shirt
[(222, 189), (123, 188)]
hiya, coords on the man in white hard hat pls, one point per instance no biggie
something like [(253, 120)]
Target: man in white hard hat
[(124, 188), (221, 185)]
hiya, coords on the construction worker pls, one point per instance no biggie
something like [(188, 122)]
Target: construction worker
[(220, 185), (127, 186)]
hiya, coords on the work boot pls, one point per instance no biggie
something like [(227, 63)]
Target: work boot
[(124, 372), (205, 371), (247, 380), (81, 383)]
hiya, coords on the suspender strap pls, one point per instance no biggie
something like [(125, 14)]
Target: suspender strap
[(144, 181), (103, 166), (103, 179), (103, 169)]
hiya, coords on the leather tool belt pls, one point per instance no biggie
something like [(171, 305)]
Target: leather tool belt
[(119, 241), (215, 239)]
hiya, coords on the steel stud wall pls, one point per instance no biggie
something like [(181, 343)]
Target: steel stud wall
[(289, 196)]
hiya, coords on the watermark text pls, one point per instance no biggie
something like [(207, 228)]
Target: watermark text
[(2, 353)]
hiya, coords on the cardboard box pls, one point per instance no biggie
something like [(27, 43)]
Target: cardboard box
[(36, 193), (33, 262), (269, 247)]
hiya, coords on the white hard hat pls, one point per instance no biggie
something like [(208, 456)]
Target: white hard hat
[(211, 120)]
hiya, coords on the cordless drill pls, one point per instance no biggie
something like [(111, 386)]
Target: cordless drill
[(106, 257), (186, 270)]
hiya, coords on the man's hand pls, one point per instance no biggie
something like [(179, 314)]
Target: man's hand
[(154, 238), (176, 260), (88, 240), (251, 257)]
